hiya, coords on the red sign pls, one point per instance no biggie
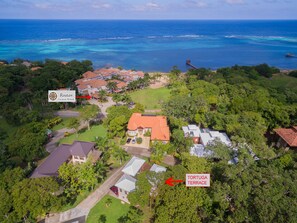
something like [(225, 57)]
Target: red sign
[(198, 180)]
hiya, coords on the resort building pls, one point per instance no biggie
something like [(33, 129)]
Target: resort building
[(287, 137), (94, 81), (77, 153), (91, 86), (127, 182), (139, 124)]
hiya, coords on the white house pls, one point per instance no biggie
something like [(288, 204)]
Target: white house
[(125, 185), (127, 182), (133, 166), (202, 138), (157, 168)]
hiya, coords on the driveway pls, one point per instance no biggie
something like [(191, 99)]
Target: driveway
[(145, 144), (103, 106), (83, 208), (52, 144), (67, 114), (138, 151)]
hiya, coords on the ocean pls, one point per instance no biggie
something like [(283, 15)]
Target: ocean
[(152, 45)]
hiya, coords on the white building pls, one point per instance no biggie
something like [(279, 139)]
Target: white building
[(125, 185), (158, 169), (127, 182), (202, 138)]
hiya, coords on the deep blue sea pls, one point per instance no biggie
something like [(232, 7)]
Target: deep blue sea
[(152, 45)]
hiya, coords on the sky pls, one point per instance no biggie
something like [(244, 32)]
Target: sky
[(148, 9)]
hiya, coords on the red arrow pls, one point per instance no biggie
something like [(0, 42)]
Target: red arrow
[(88, 97), (170, 181)]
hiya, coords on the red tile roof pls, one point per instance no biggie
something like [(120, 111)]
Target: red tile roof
[(289, 135), (97, 83), (91, 83), (158, 124), (35, 68), (89, 75)]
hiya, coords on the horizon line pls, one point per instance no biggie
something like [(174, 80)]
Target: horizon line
[(167, 19)]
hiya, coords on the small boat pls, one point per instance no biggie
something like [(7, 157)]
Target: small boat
[(290, 55)]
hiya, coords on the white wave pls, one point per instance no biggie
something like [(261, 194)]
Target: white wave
[(58, 40), (117, 38), (263, 38), (190, 36)]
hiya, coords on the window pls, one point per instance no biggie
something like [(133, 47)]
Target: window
[(126, 192), (120, 190)]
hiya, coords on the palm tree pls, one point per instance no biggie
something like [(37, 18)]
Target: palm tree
[(119, 154), (102, 143), (102, 95), (112, 86), (101, 169)]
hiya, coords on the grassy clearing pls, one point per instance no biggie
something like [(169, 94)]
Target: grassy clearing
[(283, 81), (61, 125), (151, 98), (111, 213), (88, 135)]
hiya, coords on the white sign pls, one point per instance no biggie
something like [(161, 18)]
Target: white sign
[(198, 180), (61, 96)]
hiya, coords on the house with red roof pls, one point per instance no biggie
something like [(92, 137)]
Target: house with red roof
[(90, 86), (287, 137), (139, 124)]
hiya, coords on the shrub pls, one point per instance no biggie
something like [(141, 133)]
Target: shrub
[(147, 133), (139, 140)]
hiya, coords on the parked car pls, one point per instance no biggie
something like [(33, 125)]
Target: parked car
[(133, 141), (128, 140)]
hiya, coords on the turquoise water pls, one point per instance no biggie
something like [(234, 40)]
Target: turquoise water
[(151, 45)]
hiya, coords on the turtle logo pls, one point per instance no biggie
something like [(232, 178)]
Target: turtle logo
[(53, 96)]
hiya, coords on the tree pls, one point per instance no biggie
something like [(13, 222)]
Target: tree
[(119, 153), (117, 127), (102, 94), (181, 143), (73, 123), (27, 141), (108, 202), (89, 113), (102, 143), (141, 196), (112, 86), (29, 204), (5, 204), (134, 215)]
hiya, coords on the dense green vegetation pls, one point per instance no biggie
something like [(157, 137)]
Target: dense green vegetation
[(246, 102)]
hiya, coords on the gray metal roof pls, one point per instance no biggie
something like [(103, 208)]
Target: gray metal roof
[(59, 156)]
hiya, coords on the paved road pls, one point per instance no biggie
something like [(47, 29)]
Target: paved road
[(103, 106), (67, 114), (52, 144), (138, 151), (83, 208)]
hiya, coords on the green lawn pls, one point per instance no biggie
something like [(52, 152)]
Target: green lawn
[(88, 135), (111, 213), (61, 125), (151, 98)]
